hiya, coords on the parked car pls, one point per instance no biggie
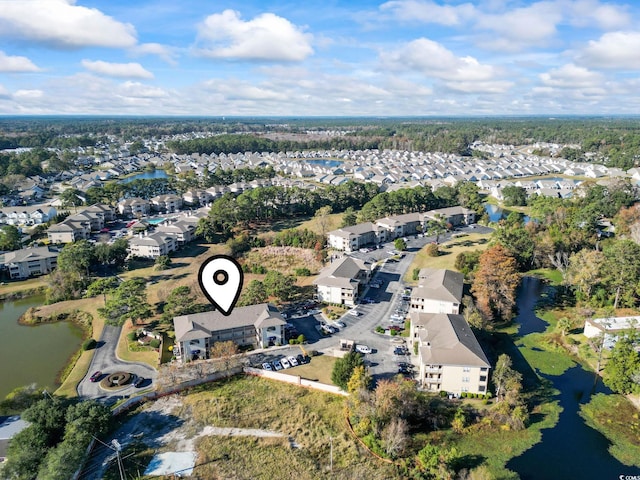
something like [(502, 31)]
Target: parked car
[(397, 328), (96, 376), (301, 360), (139, 381), (400, 351), (339, 324), (293, 361), (362, 349), (277, 365), (354, 312), (285, 363), (267, 366), (374, 285)]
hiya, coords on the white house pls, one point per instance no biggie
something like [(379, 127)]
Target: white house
[(340, 281)]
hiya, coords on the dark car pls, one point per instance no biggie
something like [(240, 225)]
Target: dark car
[(138, 383), (301, 360), (96, 376)]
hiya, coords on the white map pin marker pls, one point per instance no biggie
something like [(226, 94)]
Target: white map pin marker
[(220, 279)]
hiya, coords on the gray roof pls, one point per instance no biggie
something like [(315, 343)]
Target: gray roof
[(342, 272), (450, 340), (358, 229), (202, 325), (435, 284), (27, 254)]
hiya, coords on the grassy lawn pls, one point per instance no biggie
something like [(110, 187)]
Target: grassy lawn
[(448, 253), (333, 223), (618, 420), (318, 369), (283, 259), (148, 356), (13, 286)]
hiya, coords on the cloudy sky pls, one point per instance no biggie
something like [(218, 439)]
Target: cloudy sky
[(329, 57)]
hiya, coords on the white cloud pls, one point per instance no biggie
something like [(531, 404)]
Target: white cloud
[(533, 25), (464, 74), (123, 70), (266, 37), (166, 53), (616, 50), (140, 90), (27, 94), (10, 63), (572, 77), (426, 11), (235, 89), (583, 13), (62, 23)]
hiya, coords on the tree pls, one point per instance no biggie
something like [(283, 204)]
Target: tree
[(10, 238), (181, 301), (344, 368), (399, 244), (102, 286), (72, 197), (584, 271), (76, 257), (437, 461), (621, 270), (514, 196), (564, 325), (349, 217), (254, 293), (623, 367), (360, 380), (469, 196), (504, 377), (224, 351), (322, 218), (162, 262), (495, 283), (395, 437), (128, 302), (437, 226), (279, 285)]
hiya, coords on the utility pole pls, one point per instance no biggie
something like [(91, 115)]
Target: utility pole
[(117, 448)]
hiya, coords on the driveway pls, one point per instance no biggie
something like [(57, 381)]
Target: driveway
[(105, 360)]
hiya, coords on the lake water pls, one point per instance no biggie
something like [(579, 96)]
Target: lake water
[(571, 449), (497, 213), (146, 176), (33, 354), (324, 162)]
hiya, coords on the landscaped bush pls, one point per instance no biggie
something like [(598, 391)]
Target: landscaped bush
[(313, 353), (89, 344), (443, 394), (155, 343), (131, 336), (432, 250), (301, 339), (379, 329), (302, 272)]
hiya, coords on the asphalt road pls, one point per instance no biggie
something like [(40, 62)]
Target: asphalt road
[(105, 360)]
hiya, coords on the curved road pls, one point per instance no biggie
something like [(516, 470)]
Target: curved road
[(105, 360)]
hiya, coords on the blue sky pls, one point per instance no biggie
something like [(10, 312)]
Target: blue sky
[(335, 58)]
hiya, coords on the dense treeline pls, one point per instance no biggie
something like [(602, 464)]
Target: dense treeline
[(231, 212), (614, 141)]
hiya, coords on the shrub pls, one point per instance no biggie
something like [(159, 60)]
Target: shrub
[(301, 338), (89, 344), (379, 329), (302, 272), (394, 333), (155, 343), (443, 394), (432, 250), (131, 336), (313, 353)]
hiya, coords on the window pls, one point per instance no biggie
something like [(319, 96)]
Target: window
[(466, 369), (465, 389), (481, 388), (483, 369), (465, 379), (483, 378)]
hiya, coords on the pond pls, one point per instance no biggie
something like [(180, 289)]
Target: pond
[(33, 354), (146, 176), (497, 213), (571, 449), (324, 162)]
